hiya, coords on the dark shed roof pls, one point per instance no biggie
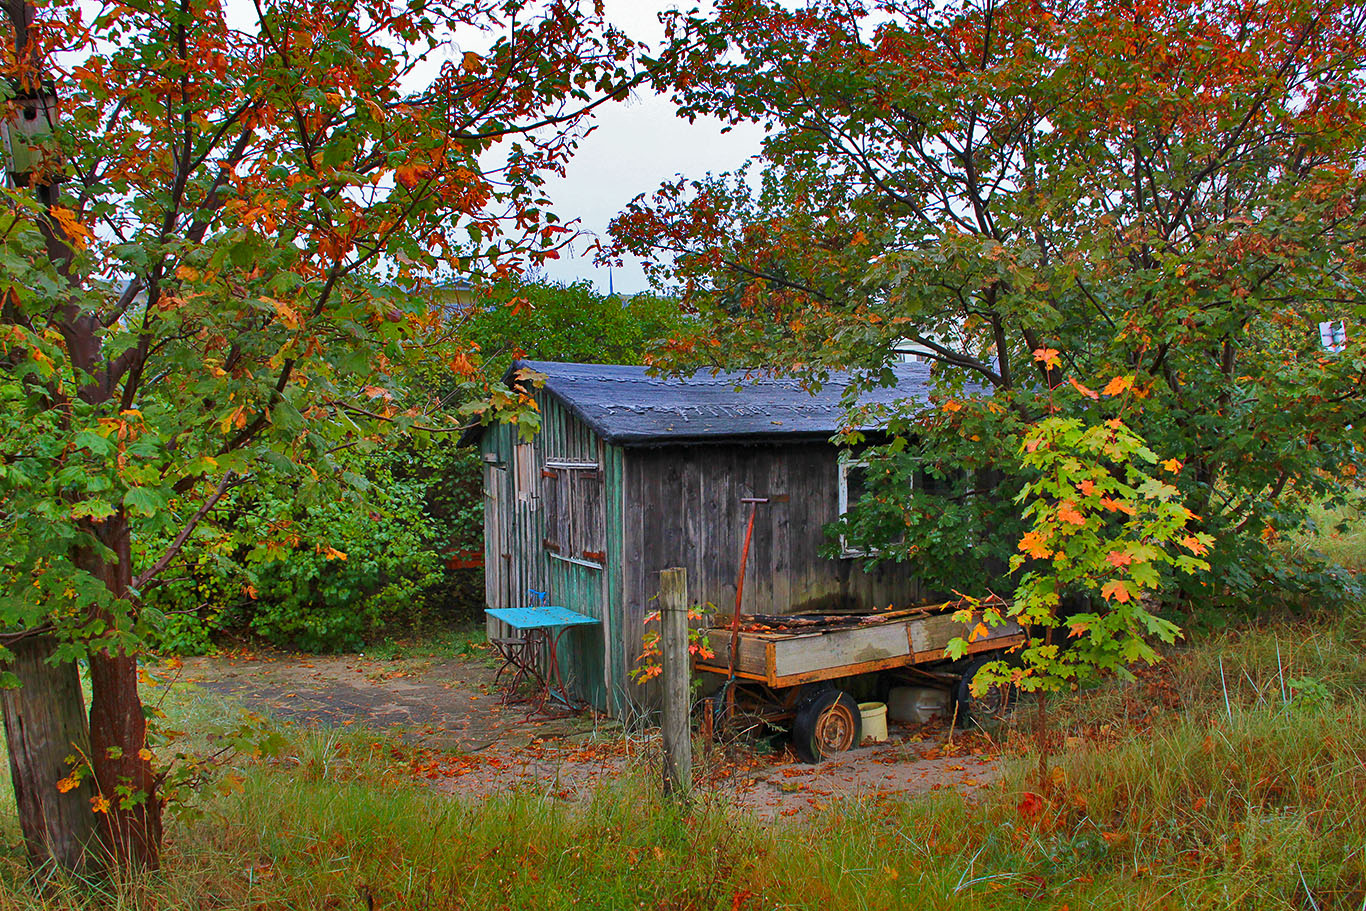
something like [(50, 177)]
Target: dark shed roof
[(627, 406)]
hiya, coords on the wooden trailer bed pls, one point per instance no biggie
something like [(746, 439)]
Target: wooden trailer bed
[(782, 655)]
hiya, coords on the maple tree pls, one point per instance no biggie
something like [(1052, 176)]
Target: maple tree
[(1101, 517), (214, 273), (1167, 196)]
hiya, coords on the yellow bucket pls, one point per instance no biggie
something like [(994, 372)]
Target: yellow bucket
[(874, 720)]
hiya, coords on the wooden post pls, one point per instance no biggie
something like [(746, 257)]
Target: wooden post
[(673, 603)]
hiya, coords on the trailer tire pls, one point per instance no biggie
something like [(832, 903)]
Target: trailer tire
[(993, 705), (826, 723)]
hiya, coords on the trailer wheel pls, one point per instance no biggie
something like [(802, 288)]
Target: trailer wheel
[(993, 705), (827, 723)]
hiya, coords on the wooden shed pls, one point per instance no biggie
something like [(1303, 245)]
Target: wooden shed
[(632, 473)]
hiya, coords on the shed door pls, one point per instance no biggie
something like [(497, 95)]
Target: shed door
[(497, 534)]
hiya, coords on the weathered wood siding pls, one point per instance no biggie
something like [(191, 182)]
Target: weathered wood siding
[(496, 452), (682, 508), (652, 509), (523, 551)]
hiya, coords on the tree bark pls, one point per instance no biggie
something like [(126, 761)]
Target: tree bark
[(45, 724), (118, 729), (132, 833)]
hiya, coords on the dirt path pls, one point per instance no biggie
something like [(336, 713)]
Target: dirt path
[(447, 704), (767, 786), (471, 746)]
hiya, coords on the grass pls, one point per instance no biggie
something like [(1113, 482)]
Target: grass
[(1230, 775), (1213, 781), (1265, 816), (1337, 533), (466, 641)]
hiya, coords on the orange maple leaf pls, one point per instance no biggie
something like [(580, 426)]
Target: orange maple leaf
[(1086, 487), (1117, 590), (1068, 513), (284, 311), (1047, 356), (76, 232), (461, 366), (379, 392), (1117, 506), (411, 174), (1194, 545), (1118, 558), (1089, 393), (1172, 465), (1032, 544), (1118, 384)]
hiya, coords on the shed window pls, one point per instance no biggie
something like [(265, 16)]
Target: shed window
[(494, 477), (574, 516), (853, 484)]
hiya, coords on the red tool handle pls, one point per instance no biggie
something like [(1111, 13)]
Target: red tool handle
[(740, 584)]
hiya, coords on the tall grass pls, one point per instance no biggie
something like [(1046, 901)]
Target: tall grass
[(1230, 777), (1261, 812), (1337, 533)]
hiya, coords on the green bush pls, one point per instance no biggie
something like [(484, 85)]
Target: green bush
[(321, 576), (186, 633), (356, 567)]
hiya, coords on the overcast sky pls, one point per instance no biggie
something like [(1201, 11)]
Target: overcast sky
[(637, 145)]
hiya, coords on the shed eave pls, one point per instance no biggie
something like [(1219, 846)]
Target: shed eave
[(778, 438), (597, 416)]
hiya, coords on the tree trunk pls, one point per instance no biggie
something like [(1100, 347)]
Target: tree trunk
[(1041, 742), (45, 724), (118, 730), (123, 771), (1041, 738)]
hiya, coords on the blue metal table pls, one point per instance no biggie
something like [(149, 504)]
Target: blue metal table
[(543, 626)]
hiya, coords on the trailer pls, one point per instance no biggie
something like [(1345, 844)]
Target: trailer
[(788, 670)]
